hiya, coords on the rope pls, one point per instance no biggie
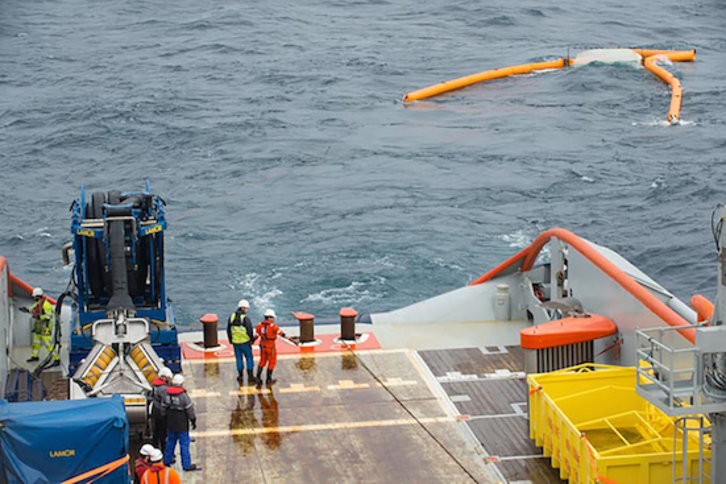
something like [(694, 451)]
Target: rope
[(403, 406)]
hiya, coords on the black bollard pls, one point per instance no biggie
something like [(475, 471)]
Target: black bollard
[(209, 322), (307, 327), (347, 324)]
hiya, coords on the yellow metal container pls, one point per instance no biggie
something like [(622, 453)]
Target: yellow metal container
[(595, 428)]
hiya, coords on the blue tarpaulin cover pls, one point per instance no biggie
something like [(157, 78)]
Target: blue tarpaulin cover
[(49, 442)]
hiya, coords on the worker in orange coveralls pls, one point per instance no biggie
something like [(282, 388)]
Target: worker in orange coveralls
[(268, 331)]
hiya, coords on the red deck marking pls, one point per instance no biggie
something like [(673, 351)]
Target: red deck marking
[(327, 345)]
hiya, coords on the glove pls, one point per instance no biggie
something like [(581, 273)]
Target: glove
[(24, 310), (194, 424)]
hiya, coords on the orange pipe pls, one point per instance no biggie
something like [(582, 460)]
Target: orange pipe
[(674, 113), (483, 76), (650, 53), (529, 255), (704, 307)]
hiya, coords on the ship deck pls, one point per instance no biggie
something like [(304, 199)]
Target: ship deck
[(388, 415)]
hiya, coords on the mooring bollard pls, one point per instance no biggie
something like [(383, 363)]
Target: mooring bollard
[(307, 327), (347, 324), (209, 323)]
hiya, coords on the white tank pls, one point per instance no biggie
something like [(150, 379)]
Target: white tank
[(502, 304)]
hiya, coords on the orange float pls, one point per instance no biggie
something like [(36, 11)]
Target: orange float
[(650, 56)]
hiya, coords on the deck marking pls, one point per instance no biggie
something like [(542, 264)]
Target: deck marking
[(348, 385), (523, 457), (202, 393), (249, 391), (520, 408), (325, 426), (493, 415), (299, 388), (501, 350), (456, 377), (231, 359), (397, 382)]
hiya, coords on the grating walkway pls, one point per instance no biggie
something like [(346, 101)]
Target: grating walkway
[(488, 387)]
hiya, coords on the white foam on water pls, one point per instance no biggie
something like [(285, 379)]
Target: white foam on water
[(587, 179), (356, 292)]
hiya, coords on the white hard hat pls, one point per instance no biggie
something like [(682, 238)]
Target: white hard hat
[(165, 373), (156, 456), (178, 380), (37, 292), (243, 303), (270, 313), (147, 449)]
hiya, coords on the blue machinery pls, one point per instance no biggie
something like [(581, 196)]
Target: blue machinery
[(118, 240)]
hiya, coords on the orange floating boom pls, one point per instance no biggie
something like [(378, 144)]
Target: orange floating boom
[(483, 76), (674, 113)]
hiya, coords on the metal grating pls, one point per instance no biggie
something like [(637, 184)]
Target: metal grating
[(552, 359)]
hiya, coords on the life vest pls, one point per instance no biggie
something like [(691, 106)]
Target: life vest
[(42, 312), (268, 333), (237, 328)]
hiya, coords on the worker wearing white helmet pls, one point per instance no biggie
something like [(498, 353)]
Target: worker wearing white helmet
[(42, 319), (242, 337), (142, 464), (178, 409), (158, 391), (158, 472), (268, 332)]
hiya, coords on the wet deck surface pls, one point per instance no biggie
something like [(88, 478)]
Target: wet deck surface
[(488, 386), (329, 419)]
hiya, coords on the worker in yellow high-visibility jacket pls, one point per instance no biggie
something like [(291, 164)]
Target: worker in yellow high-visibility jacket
[(42, 318)]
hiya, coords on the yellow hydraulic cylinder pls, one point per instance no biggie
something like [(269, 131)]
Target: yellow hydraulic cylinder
[(104, 359), (674, 113), (483, 76), (137, 354)]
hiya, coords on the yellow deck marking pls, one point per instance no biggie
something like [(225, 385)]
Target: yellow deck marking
[(348, 385), (249, 391), (292, 356), (299, 388), (397, 382), (202, 393), (325, 426)]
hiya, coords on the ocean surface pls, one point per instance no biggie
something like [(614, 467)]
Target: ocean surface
[(296, 178)]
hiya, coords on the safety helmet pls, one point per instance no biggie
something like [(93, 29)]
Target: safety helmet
[(37, 292), (243, 303), (165, 373), (270, 313), (178, 380), (147, 449), (156, 456)]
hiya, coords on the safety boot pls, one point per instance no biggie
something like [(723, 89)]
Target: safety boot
[(270, 380), (240, 376), (259, 375), (251, 377), (32, 359)]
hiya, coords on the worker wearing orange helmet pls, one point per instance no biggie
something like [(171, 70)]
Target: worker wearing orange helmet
[(268, 332)]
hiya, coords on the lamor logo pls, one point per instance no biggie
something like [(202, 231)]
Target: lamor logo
[(62, 453)]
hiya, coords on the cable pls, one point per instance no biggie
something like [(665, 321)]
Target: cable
[(418, 421)]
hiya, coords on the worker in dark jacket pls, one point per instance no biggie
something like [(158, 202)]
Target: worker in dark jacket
[(178, 410), (158, 391), (142, 464), (241, 335)]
